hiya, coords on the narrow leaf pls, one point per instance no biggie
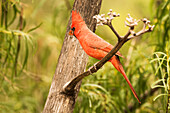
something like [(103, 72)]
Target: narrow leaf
[(32, 29)]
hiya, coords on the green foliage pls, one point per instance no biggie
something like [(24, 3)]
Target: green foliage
[(26, 73), (15, 47), (162, 61), (162, 25), (161, 56)]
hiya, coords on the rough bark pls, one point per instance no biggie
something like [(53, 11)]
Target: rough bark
[(72, 62)]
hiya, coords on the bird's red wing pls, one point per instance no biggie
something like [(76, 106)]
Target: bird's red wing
[(93, 40), (98, 43)]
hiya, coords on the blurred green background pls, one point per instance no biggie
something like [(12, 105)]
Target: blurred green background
[(26, 73)]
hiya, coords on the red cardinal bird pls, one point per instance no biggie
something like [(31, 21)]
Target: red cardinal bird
[(95, 46)]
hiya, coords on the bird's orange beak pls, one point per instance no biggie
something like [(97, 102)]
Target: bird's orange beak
[(71, 32)]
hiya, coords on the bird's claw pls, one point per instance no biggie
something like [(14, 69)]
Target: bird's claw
[(93, 69)]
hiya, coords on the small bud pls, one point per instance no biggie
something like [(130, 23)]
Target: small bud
[(98, 16), (114, 13), (128, 14), (107, 18), (109, 14), (144, 20), (151, 27), (105, 21), (148, 22), (102, 19), (100, 24), (110, 10), (129, 19), (126, 23), (102, 15), (95, 16)]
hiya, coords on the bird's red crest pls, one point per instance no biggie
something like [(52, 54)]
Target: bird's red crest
[(76, 19)]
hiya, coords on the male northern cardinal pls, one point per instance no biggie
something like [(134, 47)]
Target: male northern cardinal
[(95, 46)]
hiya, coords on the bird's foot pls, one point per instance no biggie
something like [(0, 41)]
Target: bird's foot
[(93, 69)]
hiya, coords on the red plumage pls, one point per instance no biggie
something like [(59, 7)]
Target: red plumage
[(95, 46)]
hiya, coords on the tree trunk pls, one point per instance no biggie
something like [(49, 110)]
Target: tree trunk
[(72, 62)]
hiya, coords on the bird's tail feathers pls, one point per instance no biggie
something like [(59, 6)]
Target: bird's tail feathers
[(116, 63)]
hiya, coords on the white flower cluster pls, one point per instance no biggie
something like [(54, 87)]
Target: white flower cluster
[(131, 22), (147, 22), (102, 20)]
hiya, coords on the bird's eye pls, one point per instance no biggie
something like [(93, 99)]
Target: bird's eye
[(73, 29)]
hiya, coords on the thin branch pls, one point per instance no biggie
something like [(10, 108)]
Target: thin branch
[(101, 20), (115, 32), (127, 34), (139, 33), (68, 88)]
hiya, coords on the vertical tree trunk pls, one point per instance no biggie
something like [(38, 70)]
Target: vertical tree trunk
[(72, 61)]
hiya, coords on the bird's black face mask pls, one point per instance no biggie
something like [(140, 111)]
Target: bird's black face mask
[(72, 31)]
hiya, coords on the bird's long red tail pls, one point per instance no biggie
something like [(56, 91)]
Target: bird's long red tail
[(116, 63)]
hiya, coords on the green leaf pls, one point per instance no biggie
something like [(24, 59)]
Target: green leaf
[(26, 55), (155, 84), (98, 86), (34, 28), (15, 15), (159, 96)]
